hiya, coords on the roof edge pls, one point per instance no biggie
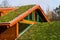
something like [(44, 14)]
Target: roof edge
[(4, 23)]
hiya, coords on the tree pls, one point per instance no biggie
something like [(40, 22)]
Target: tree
[(56, 13)]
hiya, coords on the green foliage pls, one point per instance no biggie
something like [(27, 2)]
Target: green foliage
[(43, 31), (11, 15), (58, 8)]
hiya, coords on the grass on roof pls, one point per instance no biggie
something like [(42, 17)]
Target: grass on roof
[(43, 31), (11, 15)]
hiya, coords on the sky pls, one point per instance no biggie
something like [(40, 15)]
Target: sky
[(51, 4)]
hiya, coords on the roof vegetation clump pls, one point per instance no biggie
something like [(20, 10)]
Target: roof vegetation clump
[(11, 15), (43, 31)]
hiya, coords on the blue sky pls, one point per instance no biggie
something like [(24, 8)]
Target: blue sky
[(51, 4)]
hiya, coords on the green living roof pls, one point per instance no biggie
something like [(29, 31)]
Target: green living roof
[(11, 15), (42, 31)]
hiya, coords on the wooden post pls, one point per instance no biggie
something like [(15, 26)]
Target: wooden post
[(16, 25)]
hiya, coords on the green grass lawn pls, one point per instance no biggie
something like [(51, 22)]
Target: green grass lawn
[(42, 31), (11, 15)]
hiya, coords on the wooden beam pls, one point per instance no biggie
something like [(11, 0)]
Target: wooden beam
[(27, 22)]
